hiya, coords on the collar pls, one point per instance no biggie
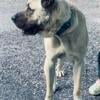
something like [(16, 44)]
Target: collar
[(66, 25)]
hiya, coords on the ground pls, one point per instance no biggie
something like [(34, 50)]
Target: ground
[(22, 57)]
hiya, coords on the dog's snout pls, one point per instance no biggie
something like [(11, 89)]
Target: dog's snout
[(19, 20), (16, 17), (13, 18)]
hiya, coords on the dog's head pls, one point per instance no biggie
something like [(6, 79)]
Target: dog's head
[(36, 17)]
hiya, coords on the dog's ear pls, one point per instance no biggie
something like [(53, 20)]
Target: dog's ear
[(47, 3)]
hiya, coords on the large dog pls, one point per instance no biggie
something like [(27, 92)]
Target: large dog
[(64, 30)]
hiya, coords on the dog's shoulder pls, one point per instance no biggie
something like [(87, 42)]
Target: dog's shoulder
[(78, 12)]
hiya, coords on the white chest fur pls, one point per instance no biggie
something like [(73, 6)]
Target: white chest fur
[(53, 46)]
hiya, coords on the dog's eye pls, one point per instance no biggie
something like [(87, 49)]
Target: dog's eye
[(29, 8), (29, 11)]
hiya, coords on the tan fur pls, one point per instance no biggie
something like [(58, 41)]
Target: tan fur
[(71, 44)]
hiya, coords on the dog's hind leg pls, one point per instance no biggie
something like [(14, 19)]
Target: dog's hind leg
[(77, 79), (59, 71), (49, 69)]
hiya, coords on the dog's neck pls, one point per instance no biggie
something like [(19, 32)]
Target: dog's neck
[(66, 25), (69, 25)]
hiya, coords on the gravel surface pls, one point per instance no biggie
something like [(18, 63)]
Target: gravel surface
[(22, 58)]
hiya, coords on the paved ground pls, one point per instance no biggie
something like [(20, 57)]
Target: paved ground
[(21, 58)]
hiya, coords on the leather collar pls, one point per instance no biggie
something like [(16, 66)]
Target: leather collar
[(66, 25)]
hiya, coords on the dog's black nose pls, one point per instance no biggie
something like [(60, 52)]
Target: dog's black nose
[(13, 18)]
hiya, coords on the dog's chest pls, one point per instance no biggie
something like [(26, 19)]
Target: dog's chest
[(53, 46), (56, 47)]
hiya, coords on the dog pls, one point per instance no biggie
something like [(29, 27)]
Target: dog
[(63, 28)]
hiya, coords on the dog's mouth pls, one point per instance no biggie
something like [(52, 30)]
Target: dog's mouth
[(33, 29)]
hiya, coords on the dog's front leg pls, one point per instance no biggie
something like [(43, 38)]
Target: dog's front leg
[(49, 69), (77, 80)]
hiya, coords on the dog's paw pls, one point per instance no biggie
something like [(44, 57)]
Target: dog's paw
[(60, 73)]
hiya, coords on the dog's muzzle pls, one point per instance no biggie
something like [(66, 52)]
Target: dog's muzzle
[(28, 28), (19, 20), (33, 29)]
